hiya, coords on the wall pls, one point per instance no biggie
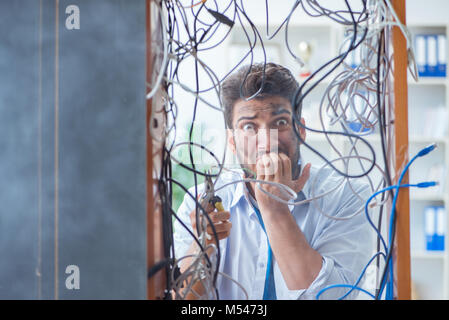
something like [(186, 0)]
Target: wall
[(101, 149)]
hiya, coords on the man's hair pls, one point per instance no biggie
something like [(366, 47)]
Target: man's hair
[(279, 81)]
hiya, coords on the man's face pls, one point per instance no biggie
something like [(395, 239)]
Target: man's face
[(262, 126)]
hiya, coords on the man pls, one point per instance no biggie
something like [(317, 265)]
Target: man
[(275, 250)]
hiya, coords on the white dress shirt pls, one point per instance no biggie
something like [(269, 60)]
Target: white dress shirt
[(345, 245)]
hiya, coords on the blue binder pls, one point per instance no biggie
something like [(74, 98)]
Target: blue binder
[(442, 55), (431, 55), (435, 227)]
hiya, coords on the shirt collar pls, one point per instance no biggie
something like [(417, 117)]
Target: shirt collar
[(239, 191)]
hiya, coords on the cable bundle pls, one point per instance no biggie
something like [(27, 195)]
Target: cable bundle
[(355, 103)]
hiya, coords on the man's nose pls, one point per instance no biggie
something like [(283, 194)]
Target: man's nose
[(267, 140)]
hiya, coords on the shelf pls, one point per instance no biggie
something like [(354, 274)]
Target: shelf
[(431, 81), (429, 140), (428, 254), (426, 24), (426, 196)]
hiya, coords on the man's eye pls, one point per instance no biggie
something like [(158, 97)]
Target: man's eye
[(248, 127), (281, 122)]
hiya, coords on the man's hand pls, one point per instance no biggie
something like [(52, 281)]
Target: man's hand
[(298, 261), (220, 221), (277, 168)]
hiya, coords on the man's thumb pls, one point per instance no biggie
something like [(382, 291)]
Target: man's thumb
[(298, 184)]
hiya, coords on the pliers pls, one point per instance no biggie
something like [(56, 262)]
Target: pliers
[(209, 194), (209, 197)]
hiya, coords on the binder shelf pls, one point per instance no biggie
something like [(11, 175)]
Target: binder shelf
[(428, 123)]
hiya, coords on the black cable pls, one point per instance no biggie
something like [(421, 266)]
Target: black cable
[(382, 129), (200, 38), (256, 36), (210, 222), (298, 99)]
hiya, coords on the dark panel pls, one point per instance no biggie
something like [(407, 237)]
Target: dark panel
[(101, 149)]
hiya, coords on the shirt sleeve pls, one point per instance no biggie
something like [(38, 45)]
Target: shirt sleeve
[(345, 246)]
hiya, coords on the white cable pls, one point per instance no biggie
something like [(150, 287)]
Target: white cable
[(286, 190), (335, 188), (237, 283), (338, 106), (164, 63)]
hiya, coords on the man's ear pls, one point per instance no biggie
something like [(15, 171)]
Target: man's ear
[(301, 129), (231, 140)]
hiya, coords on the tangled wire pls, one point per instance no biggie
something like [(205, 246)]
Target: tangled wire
[(355, 104)]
